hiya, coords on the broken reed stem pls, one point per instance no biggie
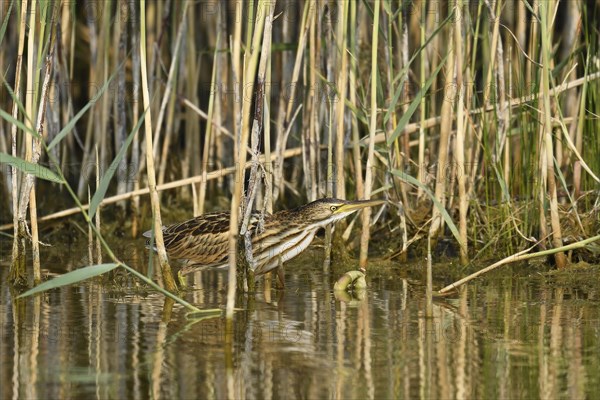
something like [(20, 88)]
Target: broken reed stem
[(520, 256), (251, 56), (167, 275), (257, 124), (366, 216)]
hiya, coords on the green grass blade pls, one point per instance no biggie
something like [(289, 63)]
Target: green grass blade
[(104, 182), (9, 118), (21, 108), (415, 103), (78, 275), (405, 177), (30, 168), (5, 22)]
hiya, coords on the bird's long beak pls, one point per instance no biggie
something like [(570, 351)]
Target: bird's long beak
[(357, 205)]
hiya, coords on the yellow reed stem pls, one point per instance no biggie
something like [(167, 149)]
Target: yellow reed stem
[(366, 216)]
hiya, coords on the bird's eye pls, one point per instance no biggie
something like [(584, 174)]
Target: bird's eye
[(333, 208)]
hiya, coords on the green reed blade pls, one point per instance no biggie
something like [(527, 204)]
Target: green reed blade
[(30, 168), (78, 275)]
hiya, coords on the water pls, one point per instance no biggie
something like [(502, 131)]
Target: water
[(504, 336)]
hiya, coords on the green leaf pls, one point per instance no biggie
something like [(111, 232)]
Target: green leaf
[(71, 124), (405, 177), (30, 168), (18, 123), (5, 23), (415, 103), (103, 185), (78, 275)]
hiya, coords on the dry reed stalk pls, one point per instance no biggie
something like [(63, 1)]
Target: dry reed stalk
[(443, 149), (170, 127), (102, 122), (17, 270), (191, 162), (168, 100), (429, 281), (579, 135), (329, 189), (313, 110), (236, 71), (459, 151), (503, 121), (473, 155), (135, 109), (254, 181), (168, 91), (533, 44), (90, 234), (568, 47), (366, 216), (353, 101), (37, 149), (90, 132), (97, 215), (547, 149), (508, 144), (421, 167), (268, 173), (433, 18), (286, 113), (154, 200), (237, 83), (120, 113), (208, 135), (28, 180), (249, 73), (342, 84), (220, 114)]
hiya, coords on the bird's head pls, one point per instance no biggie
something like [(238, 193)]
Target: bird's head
[(326, 211)]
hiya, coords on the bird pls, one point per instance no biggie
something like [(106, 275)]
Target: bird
[(203, 241)]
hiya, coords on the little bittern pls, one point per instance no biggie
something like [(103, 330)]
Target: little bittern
[(203, 241)]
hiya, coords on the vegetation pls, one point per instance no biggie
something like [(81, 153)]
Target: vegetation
[(480, 117)]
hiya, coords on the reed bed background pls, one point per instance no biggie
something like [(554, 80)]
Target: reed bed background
[(478, 121)]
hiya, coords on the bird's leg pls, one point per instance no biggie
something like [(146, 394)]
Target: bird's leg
[(181, 280), (280, 275)]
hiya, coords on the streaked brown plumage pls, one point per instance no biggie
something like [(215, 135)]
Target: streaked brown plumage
[(203, 241)]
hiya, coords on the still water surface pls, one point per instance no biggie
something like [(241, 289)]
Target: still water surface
[(502, 337)]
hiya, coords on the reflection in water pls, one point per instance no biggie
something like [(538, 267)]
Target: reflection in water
[(498, 338)]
